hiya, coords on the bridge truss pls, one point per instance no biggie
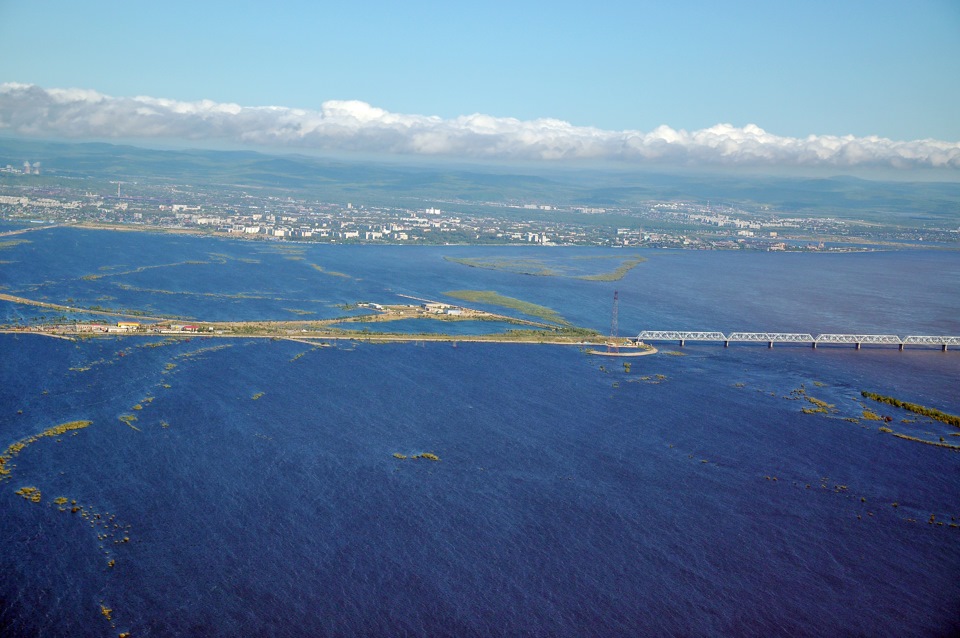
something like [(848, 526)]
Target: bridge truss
[(770, 338)]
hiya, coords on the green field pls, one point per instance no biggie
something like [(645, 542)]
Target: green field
[(494, 298)]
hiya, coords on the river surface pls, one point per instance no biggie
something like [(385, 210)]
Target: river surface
[(250, 487)]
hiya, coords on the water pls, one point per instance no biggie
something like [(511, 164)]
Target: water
[(261, 496)]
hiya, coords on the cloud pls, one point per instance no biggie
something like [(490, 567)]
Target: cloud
[(349, 125)]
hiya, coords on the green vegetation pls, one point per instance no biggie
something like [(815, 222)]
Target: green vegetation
[(537, 268), (494, 298), (202, 351), (430, 456), (141, 269), (617, 274), (32, 494), (934, 414), (10, 243), (300, 354), (820, 407), (15, 448), (332, 273), (257, 396), (934, 443), (534, 267)]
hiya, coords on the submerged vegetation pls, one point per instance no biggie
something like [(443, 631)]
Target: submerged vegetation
[(519, 266), (15, 448), (539, 268), (934, 414), (430, 456), (140, 269), (819, 406), (618, 274), (32, 494), (949, 446), (332, 273)]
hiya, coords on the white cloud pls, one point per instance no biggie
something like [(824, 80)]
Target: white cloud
[(357, 126)]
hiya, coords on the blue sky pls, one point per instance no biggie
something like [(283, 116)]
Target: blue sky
[(794, 69)]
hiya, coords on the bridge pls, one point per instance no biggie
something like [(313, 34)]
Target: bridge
[(771, 338)]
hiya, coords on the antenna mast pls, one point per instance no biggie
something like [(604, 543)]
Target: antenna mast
[(613, 322)]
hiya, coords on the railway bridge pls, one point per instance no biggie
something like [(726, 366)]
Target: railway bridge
[(770, 338)]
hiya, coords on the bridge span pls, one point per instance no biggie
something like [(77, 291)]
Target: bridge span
[(770, 338)]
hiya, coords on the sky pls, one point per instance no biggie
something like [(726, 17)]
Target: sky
[(835, 83)]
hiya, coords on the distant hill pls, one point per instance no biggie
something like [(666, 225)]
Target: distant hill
[(392, 183)]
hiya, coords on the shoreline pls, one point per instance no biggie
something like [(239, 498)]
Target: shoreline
[(316, 340), (849, 244)]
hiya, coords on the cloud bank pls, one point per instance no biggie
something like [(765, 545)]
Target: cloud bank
[(359, 127)]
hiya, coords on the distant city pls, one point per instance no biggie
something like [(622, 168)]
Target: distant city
[(261, 213), (26, 169)]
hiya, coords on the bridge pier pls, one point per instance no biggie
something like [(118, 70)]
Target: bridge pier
[(726, 344), (682, 342), (858, 345), (943, 348), (814, 345), (769, 344), (901, 347)]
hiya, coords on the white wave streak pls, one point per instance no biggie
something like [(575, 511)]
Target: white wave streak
[(358, 126)]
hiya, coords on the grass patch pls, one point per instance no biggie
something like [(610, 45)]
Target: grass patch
[(15, 448), (934, 414), (820, 407), (949, 446), (538, 268), (332, 273), (618, 274), (494, 298), (533, 267)]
